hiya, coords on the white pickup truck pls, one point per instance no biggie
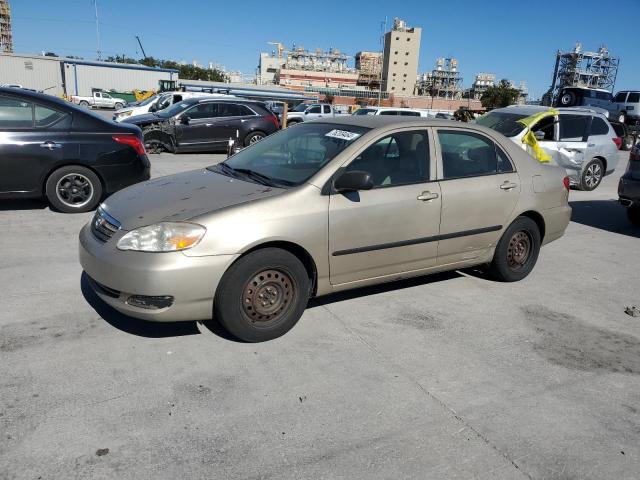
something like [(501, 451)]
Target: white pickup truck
[(305, 112), (98, 100)]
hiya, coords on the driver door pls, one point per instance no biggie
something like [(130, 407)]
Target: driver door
[(393, 227), (199, 132)]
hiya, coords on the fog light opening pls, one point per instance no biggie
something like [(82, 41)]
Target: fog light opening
[(150, 302)]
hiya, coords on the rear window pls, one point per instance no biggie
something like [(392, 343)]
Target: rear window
[(502, 122), (599, 127), (634, 97)]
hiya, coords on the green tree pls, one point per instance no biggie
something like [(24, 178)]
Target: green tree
[(501, 95)]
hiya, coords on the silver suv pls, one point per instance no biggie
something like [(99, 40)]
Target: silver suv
[(581, 140), (628, 105)]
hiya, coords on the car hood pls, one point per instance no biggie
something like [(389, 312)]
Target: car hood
[(144, 118), (180, 197)]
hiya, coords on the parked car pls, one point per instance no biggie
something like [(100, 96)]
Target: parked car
[(628, 105), (404, 112), (159, 102), (205, 124), (580, 140), (623, 108), (69, 155), (629, 187), (98, 100), (305, 112), (325, 206)]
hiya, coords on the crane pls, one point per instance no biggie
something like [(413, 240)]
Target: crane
[(141, 47)]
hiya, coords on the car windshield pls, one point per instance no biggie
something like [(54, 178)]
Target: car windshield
[(365, 111), (502, 122), (291, 156), (174, 109), (147, 101), (301, 108)]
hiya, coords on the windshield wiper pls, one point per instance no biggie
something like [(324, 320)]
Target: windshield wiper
[(259, 177)]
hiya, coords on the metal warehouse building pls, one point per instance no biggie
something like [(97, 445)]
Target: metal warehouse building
[(58, 75)]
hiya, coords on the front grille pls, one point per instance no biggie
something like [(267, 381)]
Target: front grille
[(109, 292), (103, 225)]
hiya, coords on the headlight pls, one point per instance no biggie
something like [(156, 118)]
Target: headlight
[(163, 237), (123, 114)]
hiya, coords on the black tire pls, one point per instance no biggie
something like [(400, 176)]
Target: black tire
[(567, 99), (293, 122), (262, 296), (73, 189), (517, 251), (84, 103), (592, 175), (253, 137), (633, 214), (118, 106)]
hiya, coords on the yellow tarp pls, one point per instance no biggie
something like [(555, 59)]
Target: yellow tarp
[(530, 139)]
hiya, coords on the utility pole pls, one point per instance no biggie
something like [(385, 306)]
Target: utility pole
[(141, 47), (98, 51), (384, 31)]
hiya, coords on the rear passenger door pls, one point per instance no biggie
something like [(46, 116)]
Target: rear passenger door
[(480, 189), (573, 141), (234, 121)]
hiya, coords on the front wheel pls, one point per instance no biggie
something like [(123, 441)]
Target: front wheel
[(253, 137), (517, 251), (73, 189), (592, 175), (568, 99), (263, 295), (633, 214), (84, 103), (118, 106)]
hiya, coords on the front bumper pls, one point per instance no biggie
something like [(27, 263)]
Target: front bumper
[(191, 281)]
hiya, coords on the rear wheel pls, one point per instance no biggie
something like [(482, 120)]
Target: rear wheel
[(262, 295), (592, 175), (84, 103), (118, 106), (73, 189), (568, 99), (633, 214), (253, 137), (517, 251)]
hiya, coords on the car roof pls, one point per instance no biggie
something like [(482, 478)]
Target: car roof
[(390, 121), (533, 109)]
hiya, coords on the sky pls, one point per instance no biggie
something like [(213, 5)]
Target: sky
[(513, 39)]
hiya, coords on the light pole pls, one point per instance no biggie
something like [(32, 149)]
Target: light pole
[(384, 31)]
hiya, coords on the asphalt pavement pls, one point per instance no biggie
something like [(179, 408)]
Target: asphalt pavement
[(447, 376)]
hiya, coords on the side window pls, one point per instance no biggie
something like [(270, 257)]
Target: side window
[(388, 112), (634, 97), (407, 113), (106, 95), (604, 96), (504, 164), (599, 127), (573, 127), (466, 154), (245, 111), (326, 108), (15, 113), (546, 125), (202, 110), (398, 159), (620, 97), (314, 109), (46, 117), (228, 110)]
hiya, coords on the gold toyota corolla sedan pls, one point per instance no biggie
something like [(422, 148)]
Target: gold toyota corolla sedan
[(318, 208)]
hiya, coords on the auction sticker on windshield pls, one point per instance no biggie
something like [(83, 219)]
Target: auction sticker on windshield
[(342, 134)]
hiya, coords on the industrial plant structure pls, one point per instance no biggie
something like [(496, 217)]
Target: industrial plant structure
[(444, 81), (6, 37), (401, 52), (579, 68), (369, 67), (480, 85)]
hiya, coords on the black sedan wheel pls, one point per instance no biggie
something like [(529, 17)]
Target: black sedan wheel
[(517, 251), (253, 137), (262, 295), (73, 189)]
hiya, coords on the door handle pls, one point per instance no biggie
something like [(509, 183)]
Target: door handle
[(50, 145), (208, 124), (427, 196), (508, 185)]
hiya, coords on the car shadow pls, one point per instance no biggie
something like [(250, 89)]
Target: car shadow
[(382, 288), (24, 204), (606, 215)]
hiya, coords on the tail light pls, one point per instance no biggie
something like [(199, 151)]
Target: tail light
[(617, 141), (566, 183), (132, 141), (273, 119)]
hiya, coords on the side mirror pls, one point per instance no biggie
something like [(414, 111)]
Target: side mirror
[(353, 181), (185, 119), (539, 135), (306, 112)]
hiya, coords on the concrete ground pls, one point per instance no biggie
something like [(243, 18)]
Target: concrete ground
[(449, 376)]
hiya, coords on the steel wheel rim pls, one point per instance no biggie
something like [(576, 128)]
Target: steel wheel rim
[(255, 139), (566, 99), (268, 296), (74, 190), (593, 175), (519, 250)]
